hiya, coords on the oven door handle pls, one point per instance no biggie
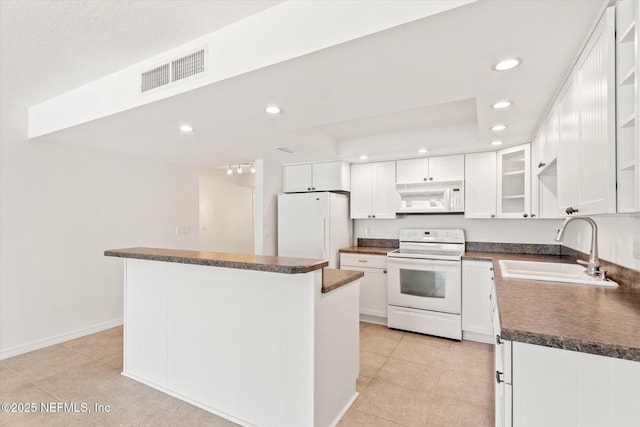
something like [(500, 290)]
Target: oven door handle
[(423, 262)]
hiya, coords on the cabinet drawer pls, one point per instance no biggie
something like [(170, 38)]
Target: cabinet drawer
[(362, 260)]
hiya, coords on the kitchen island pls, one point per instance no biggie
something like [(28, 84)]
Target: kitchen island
[(259, 340)]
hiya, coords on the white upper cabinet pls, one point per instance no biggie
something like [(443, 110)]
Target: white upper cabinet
[(331, 176), (432, 169), (412, 171), (514, 182), (296, 178), (373, 191), (550, 147), (480, 185), (628, 105), (325, 176), (446, 168), (595, 91), (568, 143)]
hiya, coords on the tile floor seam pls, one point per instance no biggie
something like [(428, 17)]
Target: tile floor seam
[(382, 418)]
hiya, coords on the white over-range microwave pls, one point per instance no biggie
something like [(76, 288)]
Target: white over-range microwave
[(431, 197)]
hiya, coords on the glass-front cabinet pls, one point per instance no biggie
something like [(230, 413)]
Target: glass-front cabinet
[(514, 182)]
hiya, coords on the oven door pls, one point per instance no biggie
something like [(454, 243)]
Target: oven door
[(425, 284)]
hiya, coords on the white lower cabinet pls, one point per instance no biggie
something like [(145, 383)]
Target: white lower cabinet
[(373, 286), (554, 387), (476, 312)]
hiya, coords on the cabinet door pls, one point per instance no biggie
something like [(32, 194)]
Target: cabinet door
[(327, 176), (537, 148), (480, 185), (568, 143), (373, 293), (554, 387), (595, 84), (386, 199), (373, 286), (296, 178), (514, 182), (476, 312), (550, 150), (412, 171), (448, 168), (361, 190)]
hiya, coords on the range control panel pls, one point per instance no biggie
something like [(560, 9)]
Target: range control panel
[(432, 235)]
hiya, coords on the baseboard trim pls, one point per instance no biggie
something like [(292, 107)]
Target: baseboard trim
[(57, 339), (345, 409), (477, 337)]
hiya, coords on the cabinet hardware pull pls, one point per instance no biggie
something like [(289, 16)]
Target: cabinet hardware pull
[(498, 379), (308, 188), (362, 260), (533, 215), (525, 215), (384, 271), (570, 210), (541, 165), (430, 178), (424, 179), (373, 216), (493, 215), (498, 340)]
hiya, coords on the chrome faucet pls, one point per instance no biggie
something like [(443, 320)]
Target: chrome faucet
[(593, 265)]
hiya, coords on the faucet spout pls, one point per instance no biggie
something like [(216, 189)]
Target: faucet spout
[(593, 265)]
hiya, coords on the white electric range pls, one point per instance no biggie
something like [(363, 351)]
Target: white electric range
[(424, 284)]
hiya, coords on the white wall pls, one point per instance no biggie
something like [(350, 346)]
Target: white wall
[(60, 208), (541, 231), (616, 235), (268, 185), (226, 212)]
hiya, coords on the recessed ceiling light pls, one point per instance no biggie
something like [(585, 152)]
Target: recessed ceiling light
[(229, 171), (186, 128), (363, 157), (498, 128), (423, 151), (273, 109), (507, 64), (496, 143), (501, 104)]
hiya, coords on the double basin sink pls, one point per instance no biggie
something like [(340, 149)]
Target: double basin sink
[(551, 272)]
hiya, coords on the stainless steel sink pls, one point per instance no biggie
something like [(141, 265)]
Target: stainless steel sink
[(551, 272)]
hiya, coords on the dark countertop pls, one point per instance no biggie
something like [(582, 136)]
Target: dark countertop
[(367, 250), (589, 319), (333, 279), (271, 264)]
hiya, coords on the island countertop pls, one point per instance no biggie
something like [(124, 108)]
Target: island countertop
[(590, 319), (273, 264)]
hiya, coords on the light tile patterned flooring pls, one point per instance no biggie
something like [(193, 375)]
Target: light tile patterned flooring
[(406, 380)]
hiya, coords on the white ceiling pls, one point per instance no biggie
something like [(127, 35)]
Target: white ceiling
[(428, 83), (48, 47)]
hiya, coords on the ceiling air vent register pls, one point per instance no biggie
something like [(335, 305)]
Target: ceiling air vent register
[(173, 71)]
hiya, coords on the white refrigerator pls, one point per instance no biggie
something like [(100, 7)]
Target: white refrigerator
[(313, 225)]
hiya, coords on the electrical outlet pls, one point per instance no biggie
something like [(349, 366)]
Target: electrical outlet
[(636, 248)]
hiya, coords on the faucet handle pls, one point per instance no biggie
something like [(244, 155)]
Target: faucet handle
[(585, 263)]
